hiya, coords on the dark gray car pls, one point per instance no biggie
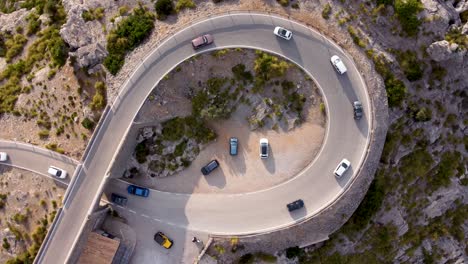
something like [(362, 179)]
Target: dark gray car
[(233, 143), (298, 204), (357, 107), (211, 166)]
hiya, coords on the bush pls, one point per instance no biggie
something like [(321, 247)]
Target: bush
[(396, 91), (99, 98), (43, 134), (406, 11), (447, 167), (410, 65), (87, 123), (456, 36), (5, 244), (326, 11), (129, 33), (141, 151), (283, 3), (93, 14), (357, 38), (183, 4), (268, 66), (415, 165), (164, 8), (14, 46), (293, 252), (241, 74), (424, 114)]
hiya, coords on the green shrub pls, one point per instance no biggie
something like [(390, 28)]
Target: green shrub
[(87, 123), (283, 3), (43, 134), (424, 114), (14, 46), (415, 165), (268, 66), (180, 148), (396, 91), (20, 218), (326, 11), (447, 167), (455, 35), (54, 147), (99, 98), (5, 244), (357, 38), (129, 33), (406, 11), (183, 4), (141, 151), (247, 259), (464, 16), (93, 14), (164, 8), (410, 65), (241, 74), (293, 252)]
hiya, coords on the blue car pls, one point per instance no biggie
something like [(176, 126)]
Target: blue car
[(233, 146), (138, 191)]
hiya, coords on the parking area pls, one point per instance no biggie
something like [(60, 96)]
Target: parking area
[(289, 153)]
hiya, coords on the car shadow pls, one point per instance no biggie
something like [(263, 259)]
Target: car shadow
[(269, 162), (298, 214), (346, 177), (216, 178)]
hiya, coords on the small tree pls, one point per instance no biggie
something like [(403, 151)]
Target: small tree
[(164, 8)]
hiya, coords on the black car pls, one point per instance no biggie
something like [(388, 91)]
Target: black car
[(118, 199), (211, 166), (357, 107), (233, 142), (298, 204)]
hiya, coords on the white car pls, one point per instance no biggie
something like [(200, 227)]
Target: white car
[(3, 156), (338, 64), (263, 148), (282, 33), (57, 172), (342, 168)]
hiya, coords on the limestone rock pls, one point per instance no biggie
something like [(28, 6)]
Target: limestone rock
[(440, 16), (394, 215), (442, 199), (9, 22), (443, 50), (90, 55), (74, 31)]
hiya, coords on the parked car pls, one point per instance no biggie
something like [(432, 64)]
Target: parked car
[(3, 156), (233, 146), (202, 41), (118, 199), (282, 33), (163, 240), (211, 166), (57, 172), (298, 204), (342, 168), (138, 191), (263, 148), (338, 64), (357, 107)]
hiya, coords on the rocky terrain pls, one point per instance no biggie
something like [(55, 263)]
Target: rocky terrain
[(416, 208)]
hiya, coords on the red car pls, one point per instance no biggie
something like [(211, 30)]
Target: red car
[(202, 41)]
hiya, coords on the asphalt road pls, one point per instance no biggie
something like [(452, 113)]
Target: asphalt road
[(37, 159), (228, 214)]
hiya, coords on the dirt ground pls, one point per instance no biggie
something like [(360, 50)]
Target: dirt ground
[(27, 194), (289, 152)]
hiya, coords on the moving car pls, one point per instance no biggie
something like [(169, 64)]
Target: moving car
[(298, 204), (57, 172), (263, 148), (338, 64), (3, 156), (118, 199), (357, 107), (342, 168), (211, 166), (233, 146), (202, 41), (138, 191), (163, 240), (282, 33)]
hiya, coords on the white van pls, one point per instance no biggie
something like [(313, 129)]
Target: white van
[(338, 64)]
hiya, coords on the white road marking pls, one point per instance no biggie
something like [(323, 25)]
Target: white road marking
[(131, 211), (144, 215)]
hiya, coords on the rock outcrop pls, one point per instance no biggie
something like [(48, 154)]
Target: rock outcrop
[(443, 50), (9, 22)]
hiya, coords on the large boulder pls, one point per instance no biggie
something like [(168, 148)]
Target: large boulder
[(443, 50), (9, 22), (74, 31), (439, 15), (90, 55)]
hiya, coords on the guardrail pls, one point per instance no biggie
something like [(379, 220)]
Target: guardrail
[(95, 134)]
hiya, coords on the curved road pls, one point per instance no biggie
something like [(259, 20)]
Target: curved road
[(221, 213), (36, 159)]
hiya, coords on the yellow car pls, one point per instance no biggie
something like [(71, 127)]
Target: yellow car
[(163, 240)]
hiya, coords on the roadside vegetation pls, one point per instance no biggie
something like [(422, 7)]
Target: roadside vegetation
[(130, 32)]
